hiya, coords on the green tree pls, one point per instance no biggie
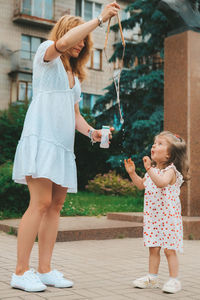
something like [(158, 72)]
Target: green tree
[(142, 82), (11, 124)]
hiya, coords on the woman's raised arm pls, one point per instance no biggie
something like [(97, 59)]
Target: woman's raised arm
[(78, 33)]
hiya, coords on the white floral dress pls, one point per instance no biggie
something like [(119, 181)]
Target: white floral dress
[(163, 226), (46, 146)]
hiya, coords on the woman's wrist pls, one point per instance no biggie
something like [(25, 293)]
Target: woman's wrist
[(90, 135), (100, 20)]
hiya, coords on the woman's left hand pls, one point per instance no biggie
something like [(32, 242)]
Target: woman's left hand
[(96, 135)]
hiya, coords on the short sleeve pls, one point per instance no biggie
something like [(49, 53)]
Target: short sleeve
[(39, 56), (179, 176), (78, 99)]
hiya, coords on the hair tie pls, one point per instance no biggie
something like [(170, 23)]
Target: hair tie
[(61, 52), (178, 137)]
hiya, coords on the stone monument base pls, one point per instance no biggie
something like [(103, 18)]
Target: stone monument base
[(191, 228)]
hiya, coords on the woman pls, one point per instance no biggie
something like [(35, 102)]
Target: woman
[(44, 158)]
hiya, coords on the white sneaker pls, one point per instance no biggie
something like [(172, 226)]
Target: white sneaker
[(55, 278), (146, 282), (28, 282), (172, 286)]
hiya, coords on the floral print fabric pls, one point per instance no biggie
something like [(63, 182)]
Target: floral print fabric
[(163, 225)]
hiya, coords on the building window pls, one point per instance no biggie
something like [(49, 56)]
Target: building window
[(97, 9), (88, 10), (21, 88), (88, 100), (24, 91), (38, 8), (95, 61), (79, 8), (29, 46), (118, 64)]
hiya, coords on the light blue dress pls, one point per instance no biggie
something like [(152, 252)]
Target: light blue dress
[(46, 146)]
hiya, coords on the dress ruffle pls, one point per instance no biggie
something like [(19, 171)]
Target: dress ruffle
[(41, 158), (179, 176)]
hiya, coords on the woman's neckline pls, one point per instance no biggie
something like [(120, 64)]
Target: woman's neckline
[(74, 79), (71, 88)]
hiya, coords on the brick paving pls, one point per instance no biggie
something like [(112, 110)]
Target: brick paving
[(102, 270)]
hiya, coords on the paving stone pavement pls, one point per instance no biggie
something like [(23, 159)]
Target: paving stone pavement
[(102, 270)]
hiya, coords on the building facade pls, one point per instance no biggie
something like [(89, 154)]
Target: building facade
[(24, 24)]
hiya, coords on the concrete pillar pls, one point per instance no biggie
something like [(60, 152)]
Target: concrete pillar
[(182, 108)]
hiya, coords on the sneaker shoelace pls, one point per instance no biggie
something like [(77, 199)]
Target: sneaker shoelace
[(32, 275), (58, 274), (145, 278), (172, 282)]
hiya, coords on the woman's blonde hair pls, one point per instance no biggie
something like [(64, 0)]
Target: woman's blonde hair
[(78, 65), (177, 151)]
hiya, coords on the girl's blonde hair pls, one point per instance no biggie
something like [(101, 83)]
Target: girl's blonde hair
[(177, 152), (78, 65)]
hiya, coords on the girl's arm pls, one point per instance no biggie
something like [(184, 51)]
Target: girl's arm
[(78, 33), (137, 180), (169, 177), (160, 180)]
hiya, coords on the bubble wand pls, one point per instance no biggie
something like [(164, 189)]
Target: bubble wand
[(116, 79)]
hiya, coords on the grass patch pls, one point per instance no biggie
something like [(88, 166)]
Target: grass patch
[(90, 204), (8, 214)]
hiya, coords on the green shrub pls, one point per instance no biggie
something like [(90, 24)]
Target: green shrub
[(11, 124), (13, 197), (112, 184)]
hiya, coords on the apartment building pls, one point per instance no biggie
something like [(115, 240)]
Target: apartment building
[(24, 24)]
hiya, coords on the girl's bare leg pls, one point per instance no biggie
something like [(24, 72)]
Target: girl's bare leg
[(49, 227), (173, 264), (154, 260), (40, 199)]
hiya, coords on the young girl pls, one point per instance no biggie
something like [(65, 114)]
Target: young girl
[(44, 158), (162, 208)]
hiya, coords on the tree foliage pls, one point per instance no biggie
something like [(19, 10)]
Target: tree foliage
[(11, 124), (142, 82)]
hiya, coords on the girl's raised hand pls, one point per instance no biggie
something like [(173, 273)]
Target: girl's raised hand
[(129, 166), (147, 162)]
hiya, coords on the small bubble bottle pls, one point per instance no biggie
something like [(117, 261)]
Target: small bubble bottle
[(105, 137)]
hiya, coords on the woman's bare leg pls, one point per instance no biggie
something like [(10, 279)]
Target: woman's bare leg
[(49, 227), (40, 198), (154, 260)]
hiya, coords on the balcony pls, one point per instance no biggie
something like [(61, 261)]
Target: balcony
[(22, 61), (41, 15)]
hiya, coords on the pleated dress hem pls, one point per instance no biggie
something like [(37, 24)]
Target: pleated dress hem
[(42, 158)]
